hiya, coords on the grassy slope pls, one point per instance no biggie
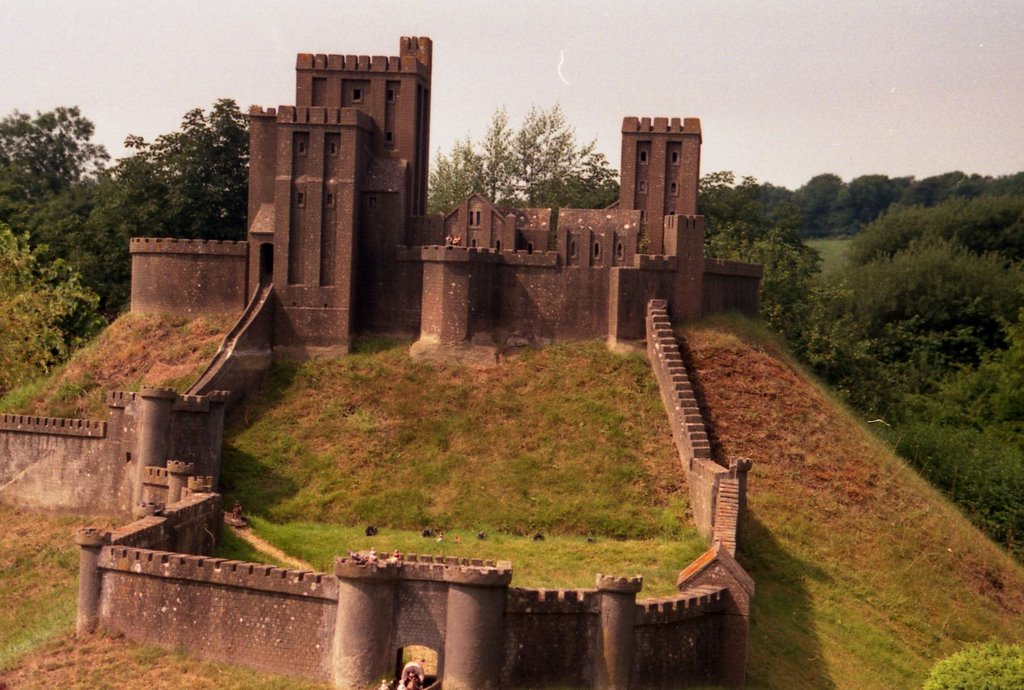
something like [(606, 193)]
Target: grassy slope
[(136, 350), (557, 440), (865, 574)]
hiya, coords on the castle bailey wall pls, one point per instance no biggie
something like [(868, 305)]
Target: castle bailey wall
[(550, 637), (110, 467), (187, 277), (267, 618), (60, 464)]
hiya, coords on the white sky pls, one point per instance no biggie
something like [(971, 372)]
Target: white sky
[(785, 90)]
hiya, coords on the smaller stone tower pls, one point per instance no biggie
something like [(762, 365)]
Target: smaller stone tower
[(660, 171)]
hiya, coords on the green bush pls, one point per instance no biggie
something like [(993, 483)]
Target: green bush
[(991, 665)]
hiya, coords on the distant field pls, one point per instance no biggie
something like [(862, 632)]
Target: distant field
[(832, 251)]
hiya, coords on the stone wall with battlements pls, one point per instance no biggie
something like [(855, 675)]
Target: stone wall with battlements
[(346, 627), (717, 492), (187, 277), (110, 467)]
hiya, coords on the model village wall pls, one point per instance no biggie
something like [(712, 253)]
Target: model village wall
[(115, 466)]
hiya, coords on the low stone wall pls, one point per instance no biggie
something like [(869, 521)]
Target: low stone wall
[(110, 467), (717, 493), (346, 627)]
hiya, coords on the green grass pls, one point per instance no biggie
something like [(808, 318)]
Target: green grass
[(136, 350), (555, 562), (833, 252), (570, 440), (38, 576)]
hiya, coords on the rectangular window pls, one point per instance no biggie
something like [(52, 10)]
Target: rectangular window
[(300, 200), (357, 95), (643, 186), (674, 189), (389, 137), (330, 200), (391, 95), (333, 148)]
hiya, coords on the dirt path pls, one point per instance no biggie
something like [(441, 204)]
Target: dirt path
[(266, 547)]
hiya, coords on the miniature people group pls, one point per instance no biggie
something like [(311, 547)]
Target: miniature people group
[(453, 241)]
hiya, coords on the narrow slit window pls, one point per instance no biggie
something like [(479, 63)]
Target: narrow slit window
[(675, 156), (334, 148), (597, 250), (330, 201), (302, 148), (357, 95), (618, 251), (572, 247), (643, 187), (529, 247), (674, 189), (643, 157), (497, 245), (391, 95), (389, 137), (300, 199)]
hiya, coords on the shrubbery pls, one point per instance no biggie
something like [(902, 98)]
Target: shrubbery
[(991, 665)]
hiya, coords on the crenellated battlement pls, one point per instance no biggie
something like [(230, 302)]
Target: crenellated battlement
[(120, 398), (157, 476), (529, 600), (349, 63), (469, 571), (696, 601), (174, 245), (661, 125), (613, 583), (221, 571), (654, 262), (57, 426), (321, 115)]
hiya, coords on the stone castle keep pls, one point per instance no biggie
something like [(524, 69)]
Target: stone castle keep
[(339, 243), (337, 224)]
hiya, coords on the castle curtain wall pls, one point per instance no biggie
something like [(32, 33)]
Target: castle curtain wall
[(187, 277)]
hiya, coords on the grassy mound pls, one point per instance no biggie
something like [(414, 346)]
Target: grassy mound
[(865, 574), (136, 350), (569, 439)]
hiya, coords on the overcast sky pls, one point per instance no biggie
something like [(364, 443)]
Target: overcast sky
[(784, 90)]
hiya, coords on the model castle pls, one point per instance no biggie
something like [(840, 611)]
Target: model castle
[(339, 243), (338, 226)]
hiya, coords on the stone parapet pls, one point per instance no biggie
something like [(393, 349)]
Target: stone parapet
[(220, 571), (58, 426)]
